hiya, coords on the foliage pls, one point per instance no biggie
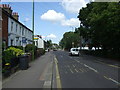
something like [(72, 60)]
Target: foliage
[(49, 44), (70, 39), (100, 22), (29, 47), (11, 53)]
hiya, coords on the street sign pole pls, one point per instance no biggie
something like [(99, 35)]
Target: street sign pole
[(33, 29)]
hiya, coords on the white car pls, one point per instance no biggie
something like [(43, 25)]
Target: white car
[(74, 51)]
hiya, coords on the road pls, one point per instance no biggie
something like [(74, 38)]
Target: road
[(86, 71), (56, 69)]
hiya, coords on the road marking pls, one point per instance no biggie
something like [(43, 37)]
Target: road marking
[(91, 68), (73, 65), (47, 84), (71, 71), (81, 70), (108, 64), (58, 81), (112, 80), (76, 70), (84, 70), (77, 61), (106, 77), (114, 66)]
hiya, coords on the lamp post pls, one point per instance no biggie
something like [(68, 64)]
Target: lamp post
[(33, 29)]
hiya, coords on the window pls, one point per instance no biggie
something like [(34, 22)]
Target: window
[(23, 31), (11, 42), (36, 43), (11, 26), (16, 27), (20, 43), (20, 30)]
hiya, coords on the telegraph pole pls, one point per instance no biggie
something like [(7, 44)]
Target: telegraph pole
[(33, 29)]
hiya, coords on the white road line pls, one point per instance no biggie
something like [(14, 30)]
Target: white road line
[(73, 65), (90, 68), (76, 70), (81, 70), (71, 71), (114, 81), (77, 61)]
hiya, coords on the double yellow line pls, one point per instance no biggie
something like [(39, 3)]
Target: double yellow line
[(58, 81)]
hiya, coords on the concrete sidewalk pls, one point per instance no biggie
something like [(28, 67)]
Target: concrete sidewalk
[(39, 75)]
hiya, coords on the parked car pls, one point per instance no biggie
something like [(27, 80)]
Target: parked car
[(74, 51)]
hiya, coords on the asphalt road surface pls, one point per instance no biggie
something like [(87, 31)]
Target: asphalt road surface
[(87, 71)]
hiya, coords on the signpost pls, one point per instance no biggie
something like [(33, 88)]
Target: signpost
[(24, 43)]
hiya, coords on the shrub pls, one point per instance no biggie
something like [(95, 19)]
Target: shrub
[(29, 48), (11, 53)]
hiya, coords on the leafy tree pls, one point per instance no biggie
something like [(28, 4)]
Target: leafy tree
[(100, 22), (69, 40), (49, 43)]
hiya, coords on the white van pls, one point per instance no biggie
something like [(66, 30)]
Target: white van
[(74, 51)]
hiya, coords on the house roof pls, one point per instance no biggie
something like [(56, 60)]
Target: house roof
[(9, 15)]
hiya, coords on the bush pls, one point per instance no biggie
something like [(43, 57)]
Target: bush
[(29, 48), (11, 54)]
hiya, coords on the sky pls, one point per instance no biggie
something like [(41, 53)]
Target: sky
[(52, 19)]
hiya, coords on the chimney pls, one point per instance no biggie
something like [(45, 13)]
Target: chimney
[(6, 7), (15, 15)]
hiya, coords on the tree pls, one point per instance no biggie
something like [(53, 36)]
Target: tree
[(49, 43), (69, 40), (101, 21)]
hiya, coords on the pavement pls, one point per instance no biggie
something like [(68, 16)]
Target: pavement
[(38, 75)]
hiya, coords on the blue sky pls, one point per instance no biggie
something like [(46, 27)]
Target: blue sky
[(47, 22)]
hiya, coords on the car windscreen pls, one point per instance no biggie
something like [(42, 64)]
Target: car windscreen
[(77, 50)]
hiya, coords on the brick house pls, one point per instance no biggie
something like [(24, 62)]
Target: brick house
[(13, 31)]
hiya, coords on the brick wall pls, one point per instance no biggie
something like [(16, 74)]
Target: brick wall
[(5, 28)]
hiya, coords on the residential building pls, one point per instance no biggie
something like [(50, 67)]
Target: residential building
[(13, 31), (39, 42)]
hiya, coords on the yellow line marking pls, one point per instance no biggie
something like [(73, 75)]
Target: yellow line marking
[(108, 64), (57, 75), (71, 71), (114, 66)]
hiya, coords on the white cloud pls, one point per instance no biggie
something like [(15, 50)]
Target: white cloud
[(73, 6), (43, 37), (53, 16), (27, 19), (51, 36), (74, 22)]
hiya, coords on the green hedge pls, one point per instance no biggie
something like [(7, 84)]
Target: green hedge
[(10, 56), (29, 48)]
